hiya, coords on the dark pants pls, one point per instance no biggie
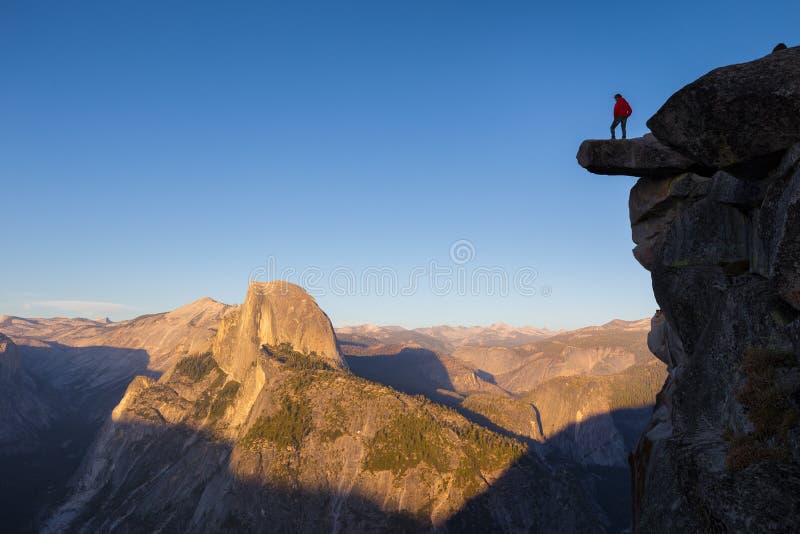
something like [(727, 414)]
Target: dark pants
[(619, 120)]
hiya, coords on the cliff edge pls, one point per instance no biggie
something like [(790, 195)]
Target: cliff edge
[(715, 218)]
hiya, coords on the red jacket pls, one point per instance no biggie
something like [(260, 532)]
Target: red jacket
[(622, 108)]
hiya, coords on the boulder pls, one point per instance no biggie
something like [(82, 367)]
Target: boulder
[(645, 253), (657, 337), (736, 114), (641, 156)]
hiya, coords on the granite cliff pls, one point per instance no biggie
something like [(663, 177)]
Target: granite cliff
[(715, 218), (23, 413)]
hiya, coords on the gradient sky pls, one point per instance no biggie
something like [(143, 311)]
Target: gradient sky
[(152, 153)]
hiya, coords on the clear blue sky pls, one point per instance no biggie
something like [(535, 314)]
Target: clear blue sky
[(155, 152)]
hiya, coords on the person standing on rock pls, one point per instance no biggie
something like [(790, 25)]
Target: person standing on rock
[(622, 110)]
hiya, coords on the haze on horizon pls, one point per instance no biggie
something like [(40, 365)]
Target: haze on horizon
[(154, 154)]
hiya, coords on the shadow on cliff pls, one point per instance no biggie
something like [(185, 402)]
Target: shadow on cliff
[(40, 479), (203, 492), (208, 496), (78, 405), (87, 371), (610, 485), (415, 371), (420, 372)]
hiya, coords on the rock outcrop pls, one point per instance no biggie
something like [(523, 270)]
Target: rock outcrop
[(722, 450), (641, 156), (736, 114), (274, 313)]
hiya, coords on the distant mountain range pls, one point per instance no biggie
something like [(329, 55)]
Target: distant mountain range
[(615, 352), (441, 338)]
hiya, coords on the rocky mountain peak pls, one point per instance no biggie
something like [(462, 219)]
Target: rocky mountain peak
[(200, 308), (274, 313)]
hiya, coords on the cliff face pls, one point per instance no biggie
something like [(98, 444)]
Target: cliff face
[(715, 219), (274, 313), (22, 412), (9, 359)]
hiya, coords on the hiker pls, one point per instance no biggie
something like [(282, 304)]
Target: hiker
[(622, 110)]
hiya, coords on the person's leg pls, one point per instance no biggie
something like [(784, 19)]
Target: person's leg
[(623, 122), (614, 127)]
